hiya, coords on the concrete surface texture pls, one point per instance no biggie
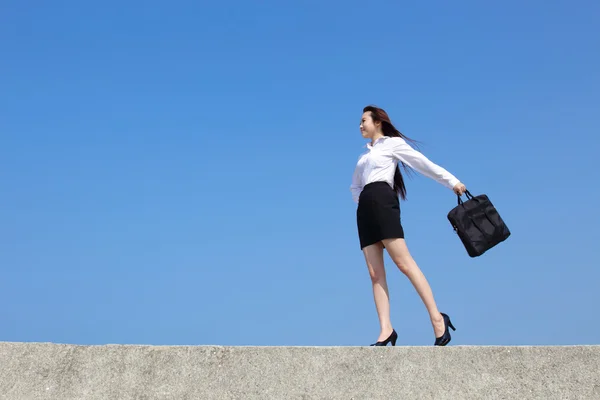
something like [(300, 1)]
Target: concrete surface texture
[(31, 371)]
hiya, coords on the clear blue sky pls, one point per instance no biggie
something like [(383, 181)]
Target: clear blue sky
[(178, 173)]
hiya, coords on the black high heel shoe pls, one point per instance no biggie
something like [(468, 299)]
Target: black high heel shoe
[(445, 338), (392, 338)]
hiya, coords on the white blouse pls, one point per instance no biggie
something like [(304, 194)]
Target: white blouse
[(380, 160)]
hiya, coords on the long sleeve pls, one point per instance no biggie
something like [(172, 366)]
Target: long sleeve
[(356, 186), (402, 151)]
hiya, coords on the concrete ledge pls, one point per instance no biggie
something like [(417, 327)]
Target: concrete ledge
[(63, 372)]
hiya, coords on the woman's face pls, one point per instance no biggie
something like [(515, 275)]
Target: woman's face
[(368, 128)]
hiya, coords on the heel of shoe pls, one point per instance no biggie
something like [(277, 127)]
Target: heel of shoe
[(447, 322), (445, 338), (391, 339), (450, 325)]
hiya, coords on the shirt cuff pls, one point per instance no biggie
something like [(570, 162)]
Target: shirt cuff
[(452, 182)]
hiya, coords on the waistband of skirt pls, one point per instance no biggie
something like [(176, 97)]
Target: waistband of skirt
[(376, 184)]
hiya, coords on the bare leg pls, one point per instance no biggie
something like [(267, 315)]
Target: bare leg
[(401, 256), (374, 258)]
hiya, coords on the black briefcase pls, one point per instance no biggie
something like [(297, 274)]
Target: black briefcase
[(478, 224)]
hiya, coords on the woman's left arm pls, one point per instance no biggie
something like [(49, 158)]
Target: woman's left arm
[(402, 151), (356, 186)]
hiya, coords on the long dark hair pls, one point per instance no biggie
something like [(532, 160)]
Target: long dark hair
[(388, 129)]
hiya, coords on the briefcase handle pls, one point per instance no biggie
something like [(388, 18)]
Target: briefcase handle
[(469, 196)]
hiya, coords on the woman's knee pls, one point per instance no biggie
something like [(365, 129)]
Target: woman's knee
[(400, 255), (374, 259), (377, 273), (403, 263)]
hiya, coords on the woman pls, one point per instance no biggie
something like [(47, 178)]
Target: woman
[(376, 185)]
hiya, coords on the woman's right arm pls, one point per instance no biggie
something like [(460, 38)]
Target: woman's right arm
[(417, 161)]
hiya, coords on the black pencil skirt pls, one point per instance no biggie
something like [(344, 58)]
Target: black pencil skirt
[(378, 214)]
